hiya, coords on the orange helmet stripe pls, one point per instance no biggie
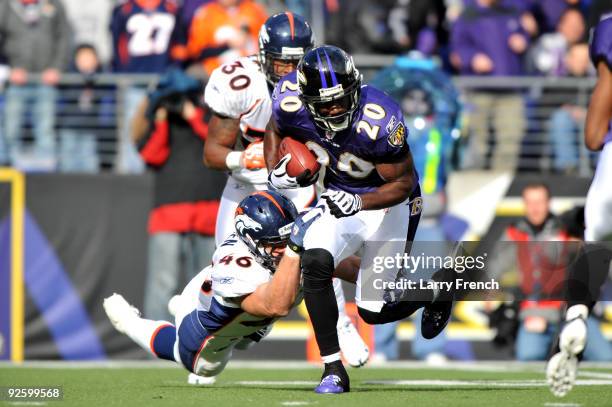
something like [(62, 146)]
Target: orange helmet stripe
[(291, 24), (270, 197)]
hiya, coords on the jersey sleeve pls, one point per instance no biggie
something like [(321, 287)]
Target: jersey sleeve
[(232, 280), (232, 91), (286, 105), (601, 42), (391, 144), (235, 272)]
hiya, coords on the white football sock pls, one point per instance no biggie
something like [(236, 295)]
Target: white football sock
[(331, 358), (340, 300), (141, 331)]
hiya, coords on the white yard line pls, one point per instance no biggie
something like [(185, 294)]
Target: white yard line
[(426, 382), (482, 366)]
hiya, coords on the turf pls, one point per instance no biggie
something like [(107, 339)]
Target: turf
[(247, 387)]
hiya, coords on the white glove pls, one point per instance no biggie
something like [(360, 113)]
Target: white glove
[(574, 333), (341, 203), (279, 178)]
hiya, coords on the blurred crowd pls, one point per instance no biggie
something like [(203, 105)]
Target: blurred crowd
[(43, 39)]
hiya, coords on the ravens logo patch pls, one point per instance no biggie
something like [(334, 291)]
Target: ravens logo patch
[(397, 137)]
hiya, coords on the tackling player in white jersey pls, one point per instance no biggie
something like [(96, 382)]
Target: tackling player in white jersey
[(562, 367), (238, 95), (230, 304)]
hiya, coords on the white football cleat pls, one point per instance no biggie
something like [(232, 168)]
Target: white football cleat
[(562, 367), (354, 349), (198, 380), (573, 336), (174, 305), (561, 373), (120, 312)]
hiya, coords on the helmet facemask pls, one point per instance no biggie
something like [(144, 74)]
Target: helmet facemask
[(268, 251), (347, 99), (287, 54), (267, 59)]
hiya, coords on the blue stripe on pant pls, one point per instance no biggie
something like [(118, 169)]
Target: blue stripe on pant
[(191, 335)]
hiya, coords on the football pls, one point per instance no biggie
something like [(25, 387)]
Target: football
[(302, 158)]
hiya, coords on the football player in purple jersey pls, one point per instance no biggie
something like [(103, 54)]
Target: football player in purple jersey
[(590, 274), (371, 193)]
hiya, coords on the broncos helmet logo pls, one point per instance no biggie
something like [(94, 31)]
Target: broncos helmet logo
[(243, 223)]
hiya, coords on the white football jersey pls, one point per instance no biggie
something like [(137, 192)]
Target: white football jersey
[(239, 90), (234, 273)]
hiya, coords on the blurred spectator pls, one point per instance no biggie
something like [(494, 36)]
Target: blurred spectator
[(89, 20), (302, 7), (35, 38), (596, 9), (85, 111), (389, 26), (498, 53), (548, 55), (180, 36), (549, 12), (170, 130), (567, 122), (224, 30), (541, 253), (431, 110), (142, 32)]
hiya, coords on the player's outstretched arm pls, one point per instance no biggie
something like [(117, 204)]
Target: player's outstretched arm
[(275, 298), (401, 181), (222, 135), (600, 109)]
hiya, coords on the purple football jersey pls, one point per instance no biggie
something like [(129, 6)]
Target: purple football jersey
[(601, 50), (601, 42), (377, 134)]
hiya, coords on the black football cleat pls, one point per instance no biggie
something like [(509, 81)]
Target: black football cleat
[(334, 380), (436, 315)]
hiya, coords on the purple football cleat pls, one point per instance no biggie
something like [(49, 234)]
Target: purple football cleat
[(330, 384)]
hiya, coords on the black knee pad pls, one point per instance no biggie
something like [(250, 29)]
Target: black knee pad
[(317, 269)]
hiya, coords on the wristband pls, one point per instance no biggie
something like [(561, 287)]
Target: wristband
[(234, 160), (289, 252)]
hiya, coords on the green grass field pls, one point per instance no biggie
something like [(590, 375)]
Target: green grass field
[(411, 385)]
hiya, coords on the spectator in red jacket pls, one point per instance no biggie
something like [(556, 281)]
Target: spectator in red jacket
[(540, 251), (170, 131)]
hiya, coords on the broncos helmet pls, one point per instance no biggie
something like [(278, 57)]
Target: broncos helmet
[(263, 221), (326, 77), (286, 37)]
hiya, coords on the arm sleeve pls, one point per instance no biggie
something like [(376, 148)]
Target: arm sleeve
[(601, 43), (63, 33), (216, 99), (114, 31), (154, 149), (462, 46), (392, 143), (198, 125), (237, 284)]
